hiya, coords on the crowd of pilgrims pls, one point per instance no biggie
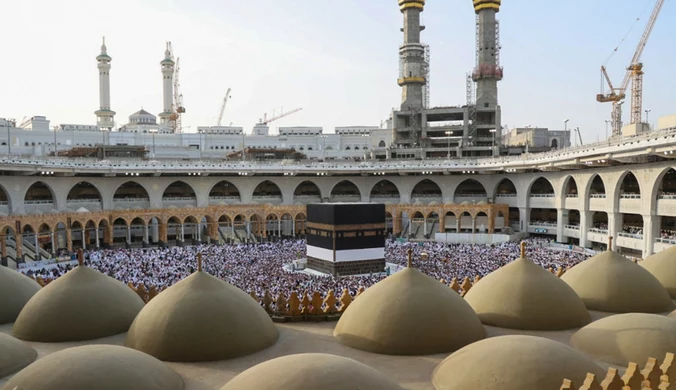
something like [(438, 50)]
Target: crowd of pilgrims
[(260, 267)]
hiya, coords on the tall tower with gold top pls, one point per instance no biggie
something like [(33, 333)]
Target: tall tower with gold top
[(167, 65), (105, 117), (412, 64), (488, 71)]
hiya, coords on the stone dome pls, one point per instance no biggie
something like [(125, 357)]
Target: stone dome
[(612, 283), (14, 355), (84, 304), (513, 363), (523, 295), (201, 318), (310, 371), (15, 290), (663, 266), (409, 313), (101, 367), (624, 338), (673, 314)]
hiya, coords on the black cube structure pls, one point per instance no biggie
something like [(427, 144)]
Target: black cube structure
[(346, 238)]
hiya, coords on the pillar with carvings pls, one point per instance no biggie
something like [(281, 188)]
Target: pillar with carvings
[(18, 239), (69, 239)]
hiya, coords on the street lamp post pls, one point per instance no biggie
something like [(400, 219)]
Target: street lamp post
[(448, 135), (607, 123), (9, 140), (647, 117), (565, 129)]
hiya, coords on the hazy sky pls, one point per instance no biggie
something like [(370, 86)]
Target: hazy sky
[(336, 59)]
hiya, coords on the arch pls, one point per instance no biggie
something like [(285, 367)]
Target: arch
[(267, 190), (39, 192), (665, 184), (505, 189), (300, 222), (555, 143), (130, 190), (224, 219), (570, 187), (426, 189), (597, 189), (44, 228), (382, 144), (345, 190), (5, 202), (385, 189), (470, 188), (83, 193), (418, 215), (307, 192), (546, 217), (632, 226), (573, 218), (224, 190), (600, 221), (628, 186), (178, 190), (541, 187), (138, 221), (433, 215), (120, 222), (190, 219)]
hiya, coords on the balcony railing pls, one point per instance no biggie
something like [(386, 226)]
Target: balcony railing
[(598, 196), (542, 224), (597, 230), (666, 196), (671, 241), (44, 201), (506, 195), (541, 195), (177, 198), (631, 235), (630, 196), (571, 195), (573, 227)]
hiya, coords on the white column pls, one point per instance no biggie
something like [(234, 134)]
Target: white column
[(425, 226), (293, 227), (128, 234), (182, 233), (585, 219), (523, 219), (649, 234), (53, 243), (96, 233), (473, 225), (199, 231), (614, 227), (146, 237), (279, 228), (37, 248), (560, 221)]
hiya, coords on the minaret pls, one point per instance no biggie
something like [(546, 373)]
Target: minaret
[(488, 70), (412, 56), (105, 118), (167, 86)]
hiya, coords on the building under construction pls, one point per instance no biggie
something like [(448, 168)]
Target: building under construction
[(472, 129)]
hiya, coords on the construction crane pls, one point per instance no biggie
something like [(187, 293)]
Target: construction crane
[(635, 74), (178, 109), (225, 102), (265, 119)]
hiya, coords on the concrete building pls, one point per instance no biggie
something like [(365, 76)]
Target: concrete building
[(537, 138), (454, 131)]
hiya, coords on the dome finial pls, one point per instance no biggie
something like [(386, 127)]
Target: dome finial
[(409, 263), (80, 257), (103, 46), (199, 262), (523, 249), (610, 243)]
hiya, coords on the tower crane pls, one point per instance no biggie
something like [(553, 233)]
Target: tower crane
[(265, 119), (175, 117), (220, 113), (635, 74)]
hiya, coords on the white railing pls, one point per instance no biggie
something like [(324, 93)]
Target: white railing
[(666, 196), (506, 195), (541, 195), (598, 196), (596, 230), (631, 235), (571, 195), (467, 195), (429, 196), (224, 198), (38, 202), (543, 224), (386, 196), (671, 241), (178, 198), (83, 201), (263, 197), (630, 196), (4, 203), (573, 227)]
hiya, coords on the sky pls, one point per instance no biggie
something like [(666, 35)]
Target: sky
[(338, 60)]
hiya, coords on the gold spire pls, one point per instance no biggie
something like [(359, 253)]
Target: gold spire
[(199, 262), (610, 243), (80, 257), (409, 263), (523, 249)]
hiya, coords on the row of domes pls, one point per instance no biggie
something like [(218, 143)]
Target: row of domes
[(203, 318)]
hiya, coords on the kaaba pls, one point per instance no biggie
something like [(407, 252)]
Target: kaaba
[(346, 238)]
